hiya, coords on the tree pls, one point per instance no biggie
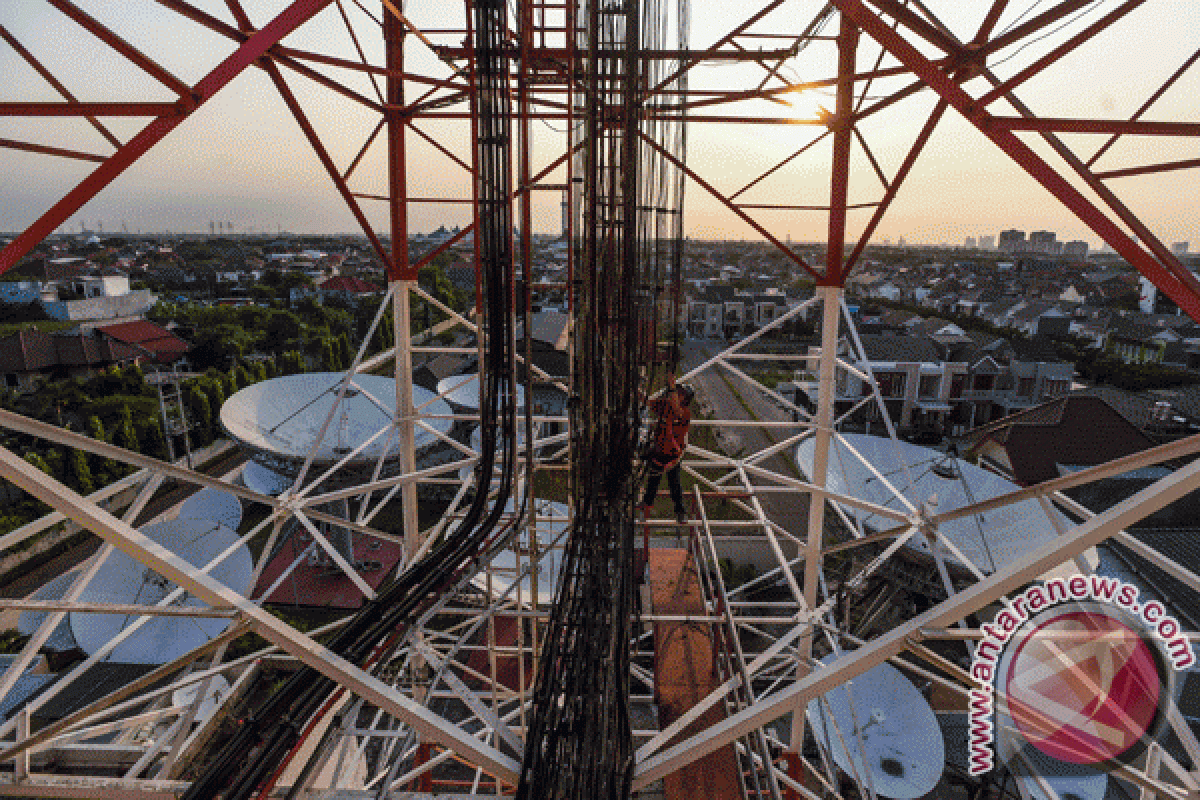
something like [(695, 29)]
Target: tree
[(200, 413), (258, 371), (78, 474), (150, 434), (241, 378), (100, 465), (282, 330), (328, 356), (292, 363), (36, 460), (125, 435), (345, 354)]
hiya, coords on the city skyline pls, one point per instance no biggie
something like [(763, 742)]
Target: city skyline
[(243, 159)]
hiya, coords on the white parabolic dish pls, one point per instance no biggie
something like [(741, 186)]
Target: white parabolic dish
[(213, 505), (882, 730), (123, 580), (1008, 532), (280, 418), (552, 521), (462, 391), (264, 481), (218, 689)]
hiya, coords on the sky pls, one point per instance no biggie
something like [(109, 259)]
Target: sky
[(241, 157)]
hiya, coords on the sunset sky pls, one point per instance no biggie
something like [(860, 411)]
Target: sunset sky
[(242, 158)]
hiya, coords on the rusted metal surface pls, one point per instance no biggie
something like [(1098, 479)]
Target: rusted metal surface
[(685, 670)]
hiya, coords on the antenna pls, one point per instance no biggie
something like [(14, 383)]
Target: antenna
[(123, 580), (881, 729), (278, 420), (990, 540), (213, 505)]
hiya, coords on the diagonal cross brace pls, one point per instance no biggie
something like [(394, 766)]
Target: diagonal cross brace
[(166, 563)]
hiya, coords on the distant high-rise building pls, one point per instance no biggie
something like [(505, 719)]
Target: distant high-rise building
[(1075, 250), (1012, 241), (1043, 242), (987, 242), (901, 242), (1180, 248), (969, 243)]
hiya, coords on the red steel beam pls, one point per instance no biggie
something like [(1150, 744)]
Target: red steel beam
[(985, 30), (441, 148), (362, 56), (911, 20), (843, 141), (767, 9), (1149, 169), (1034, 25), (314, 141), (92, 109), (50, 79), (778, 166), (1024, 156), (399, 267), (708, 187), (1167, 84), (43, 149), (363, 150), (1063, 49), (278, 52), (104, 34), (1119, 126), (255, 46)]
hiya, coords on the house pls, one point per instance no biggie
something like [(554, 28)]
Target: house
[(939, 377), (1132, 341), (1054, 438), (914, 380), (347, 288), (31, 356), (153, 342), (549, 334)]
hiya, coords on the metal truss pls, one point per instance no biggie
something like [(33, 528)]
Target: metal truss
[(448, 711)]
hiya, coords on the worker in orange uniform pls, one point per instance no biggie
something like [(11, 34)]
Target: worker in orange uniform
[(671, 407)]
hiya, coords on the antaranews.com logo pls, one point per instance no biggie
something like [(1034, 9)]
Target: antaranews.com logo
[(1078, 668)]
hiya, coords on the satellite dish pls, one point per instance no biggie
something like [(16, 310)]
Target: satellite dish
[(278, 420), (879, 728), (477, 445), (1069, 781), (258, 478), (213, 505), (552, 521), (504, 574), (465, 397), (123, 580), (218, 690), (61, 639), (990, 540)]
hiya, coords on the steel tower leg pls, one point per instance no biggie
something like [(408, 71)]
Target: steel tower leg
[(830, 318), (402, 275)]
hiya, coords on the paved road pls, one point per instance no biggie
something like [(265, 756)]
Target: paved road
[(788, 510)]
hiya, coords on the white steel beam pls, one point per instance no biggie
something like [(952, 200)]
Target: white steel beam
[(132, 542), (1011, 577)]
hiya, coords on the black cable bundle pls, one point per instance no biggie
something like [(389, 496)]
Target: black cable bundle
[(579, 741), (251, 759)]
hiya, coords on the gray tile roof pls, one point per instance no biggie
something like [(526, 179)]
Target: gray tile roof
[(900, 348)]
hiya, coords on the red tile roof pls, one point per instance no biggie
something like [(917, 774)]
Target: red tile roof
[(344, 283), (164, 346), (32, 350)]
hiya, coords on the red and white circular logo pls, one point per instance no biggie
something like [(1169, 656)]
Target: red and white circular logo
[(1084, 687)]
